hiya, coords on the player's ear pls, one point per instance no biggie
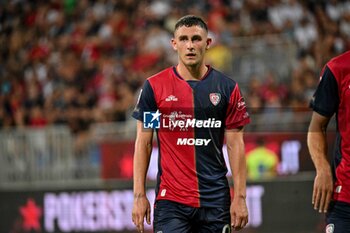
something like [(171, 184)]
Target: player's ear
[(173, 44), (209, 41)]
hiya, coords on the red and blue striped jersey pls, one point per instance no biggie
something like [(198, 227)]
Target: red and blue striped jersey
[(193, 118), (332, 96)]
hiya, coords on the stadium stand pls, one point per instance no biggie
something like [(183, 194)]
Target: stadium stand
[(70, 75), (79, 65)]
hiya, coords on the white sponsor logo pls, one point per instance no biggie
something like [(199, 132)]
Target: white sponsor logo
[(240, 104), (184, 124), (245, 115), (162, 194), (338, 189), (177, 120), (151, 120), (171, 98), (192, 142), (184, 121)]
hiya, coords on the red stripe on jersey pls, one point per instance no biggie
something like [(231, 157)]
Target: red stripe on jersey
[(178, 180), (341, 71)]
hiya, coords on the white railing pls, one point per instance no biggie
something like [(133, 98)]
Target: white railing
[(30, 155)]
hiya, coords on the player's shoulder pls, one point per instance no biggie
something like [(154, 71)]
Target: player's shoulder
[(340, 60), (160, 75), (222, 77), (340, 64)]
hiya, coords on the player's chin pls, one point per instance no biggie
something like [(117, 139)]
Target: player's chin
[(191, 62)]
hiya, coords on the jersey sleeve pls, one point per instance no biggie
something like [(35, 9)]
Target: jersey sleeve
[(326, 98), (236, 115), (145, 103)]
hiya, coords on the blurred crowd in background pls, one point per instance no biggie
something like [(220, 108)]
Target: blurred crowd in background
[(81, 62)]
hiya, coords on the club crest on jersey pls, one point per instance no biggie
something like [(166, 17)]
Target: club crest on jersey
[(215, 98)]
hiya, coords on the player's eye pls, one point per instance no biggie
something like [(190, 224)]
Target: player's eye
[(183, 38), (196, 38)]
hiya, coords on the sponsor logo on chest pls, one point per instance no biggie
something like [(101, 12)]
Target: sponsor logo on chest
[(171, 98), (192, 141)]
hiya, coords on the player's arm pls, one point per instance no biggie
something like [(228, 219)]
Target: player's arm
[(325, 103), (317, 144), (142, 154), (236, 155)]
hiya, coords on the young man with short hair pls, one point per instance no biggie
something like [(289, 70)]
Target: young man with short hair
[(194, 108)]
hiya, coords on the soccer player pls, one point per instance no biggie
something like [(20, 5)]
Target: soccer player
[(331, 191), (194, 108)]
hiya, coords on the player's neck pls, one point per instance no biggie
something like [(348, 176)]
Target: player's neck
[(191, 72)]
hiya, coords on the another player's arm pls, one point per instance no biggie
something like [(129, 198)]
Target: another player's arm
[(317, 144), (236, 154), (142, 154)]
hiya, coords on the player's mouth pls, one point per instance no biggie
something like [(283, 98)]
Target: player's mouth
[(191, 55)]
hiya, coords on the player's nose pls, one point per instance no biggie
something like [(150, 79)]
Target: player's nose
[(190, 46)]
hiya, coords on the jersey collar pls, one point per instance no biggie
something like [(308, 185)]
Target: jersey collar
[(204, 77)]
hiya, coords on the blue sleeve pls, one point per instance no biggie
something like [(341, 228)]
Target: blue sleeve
[(326, 98), (146, 102)]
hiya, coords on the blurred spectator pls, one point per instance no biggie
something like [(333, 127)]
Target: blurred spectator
[(219, 56), (305, 34), (344, 26), (82, 62), (36, 117), (254, 99), (261, 162), (271, 90), (285, 14), (334, 9)]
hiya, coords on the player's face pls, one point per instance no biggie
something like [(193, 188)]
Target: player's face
[(191, 44)]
